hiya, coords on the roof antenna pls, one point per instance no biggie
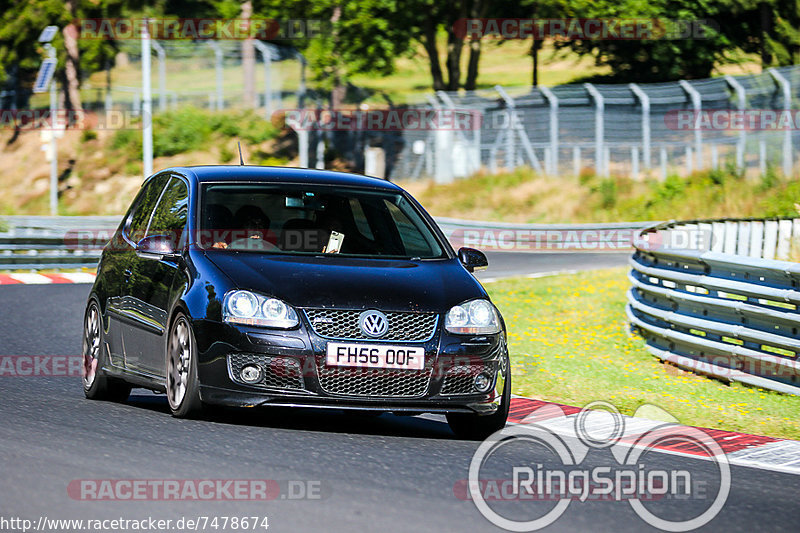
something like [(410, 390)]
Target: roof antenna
[(241, 161)]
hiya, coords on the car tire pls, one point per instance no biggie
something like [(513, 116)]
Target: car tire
[(183, 389), (96, 385), (479, 427)]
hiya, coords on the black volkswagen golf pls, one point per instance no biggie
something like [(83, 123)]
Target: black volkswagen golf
[(258, 286)]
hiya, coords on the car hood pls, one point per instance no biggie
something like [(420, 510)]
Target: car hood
[(349, 283)]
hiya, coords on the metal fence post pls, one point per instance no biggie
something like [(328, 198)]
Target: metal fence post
[(644, 100), (599, 111), (218, 57), (697, 104), (162, 75), (147, 106), (516, 127), (634, 162), (663, 163), (741, 102), (714, 156), (266, 56), (443, 146), (552, 99), (474, 160), (301, 89), (786, 88), (576, 160)]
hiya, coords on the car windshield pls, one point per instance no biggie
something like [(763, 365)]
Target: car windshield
[(298, 219)]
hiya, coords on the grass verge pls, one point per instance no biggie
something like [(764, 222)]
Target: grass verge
[(569, 343), (524, 196)]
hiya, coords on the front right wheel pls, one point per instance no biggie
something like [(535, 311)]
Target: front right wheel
[(477, 427)]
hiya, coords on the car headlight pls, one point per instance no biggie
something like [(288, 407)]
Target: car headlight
[(473, 317), (245, 307)]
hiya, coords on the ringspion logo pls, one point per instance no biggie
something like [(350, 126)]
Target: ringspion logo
[(544, 472)]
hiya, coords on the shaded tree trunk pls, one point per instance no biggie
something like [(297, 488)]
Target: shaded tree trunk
[(72, 68), (478, 11), (472, 66), (536, 45), (454, 47), (339, 91), (766, 29), (429, 44)]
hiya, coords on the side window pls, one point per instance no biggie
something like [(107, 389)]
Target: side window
[(145, 202), (169, 218)]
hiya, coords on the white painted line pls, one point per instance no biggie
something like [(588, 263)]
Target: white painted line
[(529, 276), (784, 453), (31, 278), (78, 277), (778, 456)]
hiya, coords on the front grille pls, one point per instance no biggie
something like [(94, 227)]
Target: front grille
[(461, 379), (338, 324), (373, 382), (276, 372)]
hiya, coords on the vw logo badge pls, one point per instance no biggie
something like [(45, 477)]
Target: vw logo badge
[(373, 323)]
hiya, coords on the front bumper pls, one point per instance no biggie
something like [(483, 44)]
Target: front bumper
[(295, 374)]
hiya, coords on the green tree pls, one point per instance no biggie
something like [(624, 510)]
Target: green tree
[(21, 54), (661, 59)]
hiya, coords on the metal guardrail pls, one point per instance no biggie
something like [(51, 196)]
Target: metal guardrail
[(41, 242), (721, 298), (503, 236)]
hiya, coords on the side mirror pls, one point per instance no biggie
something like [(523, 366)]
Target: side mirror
[(157, 247), (472, 259)]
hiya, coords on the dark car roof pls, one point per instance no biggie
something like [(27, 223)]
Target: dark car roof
[(280, 174)]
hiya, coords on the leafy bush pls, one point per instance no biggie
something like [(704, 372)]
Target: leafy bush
[(129, 141), (225, 154), (191, 129), (607, 189), (184, 130), (88, 135)]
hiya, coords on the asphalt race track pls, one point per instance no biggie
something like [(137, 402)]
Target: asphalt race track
[(382, 473), (509, 264)]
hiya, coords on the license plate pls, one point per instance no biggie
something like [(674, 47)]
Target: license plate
[(375, 356)]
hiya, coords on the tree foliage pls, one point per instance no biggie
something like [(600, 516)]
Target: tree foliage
[(366, 36)]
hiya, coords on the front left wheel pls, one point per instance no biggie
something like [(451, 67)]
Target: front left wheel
[(96, 385), (183, 390)]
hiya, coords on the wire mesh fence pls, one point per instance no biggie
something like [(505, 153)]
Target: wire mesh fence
[(635, 130), (746, 122), (206, 74)]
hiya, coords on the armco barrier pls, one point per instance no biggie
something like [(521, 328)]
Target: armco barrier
[(501, 236), (39, 242), (721, 298)]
